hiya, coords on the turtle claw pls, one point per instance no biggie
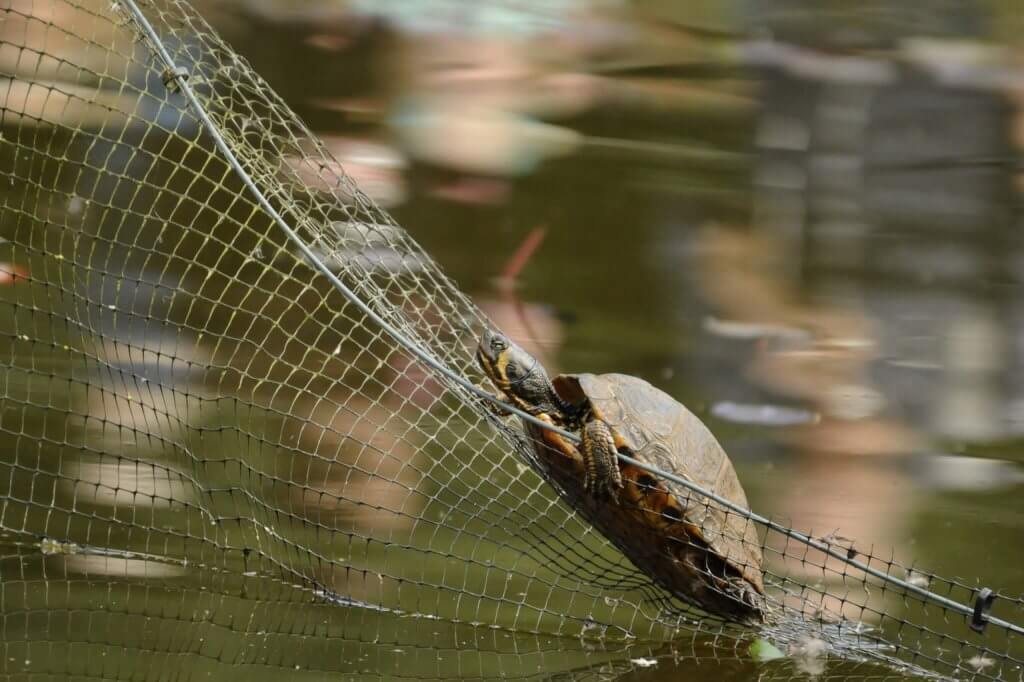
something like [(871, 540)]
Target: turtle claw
[(590, 484), (601, 476), (612, 493), (494, 408), (602, 489)]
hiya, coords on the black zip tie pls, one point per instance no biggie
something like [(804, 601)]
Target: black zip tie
[(982, 603), (172, 75)]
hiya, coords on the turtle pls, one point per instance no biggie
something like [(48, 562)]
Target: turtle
[(694, 547)]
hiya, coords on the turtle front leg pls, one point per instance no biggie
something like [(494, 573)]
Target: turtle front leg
[(600, 462), (495, 408)]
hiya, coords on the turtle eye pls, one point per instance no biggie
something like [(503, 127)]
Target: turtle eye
[(498, 344)]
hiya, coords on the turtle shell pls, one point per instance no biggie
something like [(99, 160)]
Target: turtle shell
[(657, 430)]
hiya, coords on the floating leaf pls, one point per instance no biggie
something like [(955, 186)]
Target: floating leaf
[(763, 650)]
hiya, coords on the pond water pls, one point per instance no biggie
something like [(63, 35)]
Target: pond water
[(813, 243), (822, 261)]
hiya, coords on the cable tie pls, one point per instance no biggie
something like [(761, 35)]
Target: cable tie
[(172, 75), (982, 604)]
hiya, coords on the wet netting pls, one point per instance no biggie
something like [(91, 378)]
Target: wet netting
[(239, 428)]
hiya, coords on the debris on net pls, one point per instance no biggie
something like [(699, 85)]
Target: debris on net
[(221, 357)]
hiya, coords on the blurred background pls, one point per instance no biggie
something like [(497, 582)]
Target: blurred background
[(804, 224)]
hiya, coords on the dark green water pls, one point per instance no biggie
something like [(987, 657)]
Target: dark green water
[(915, 259), (821, 261)]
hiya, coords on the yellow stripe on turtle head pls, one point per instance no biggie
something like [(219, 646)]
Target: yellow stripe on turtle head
[(502, 365)]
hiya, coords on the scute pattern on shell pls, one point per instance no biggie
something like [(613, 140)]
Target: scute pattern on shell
[(662, 432)]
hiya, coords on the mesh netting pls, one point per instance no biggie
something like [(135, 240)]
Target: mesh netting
[(208, 447)]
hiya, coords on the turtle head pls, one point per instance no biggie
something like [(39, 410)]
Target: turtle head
[(516, 373)]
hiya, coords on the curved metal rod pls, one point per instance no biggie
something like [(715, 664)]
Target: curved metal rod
[(179, 75)]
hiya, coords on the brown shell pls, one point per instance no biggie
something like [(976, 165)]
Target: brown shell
[(661, 432)]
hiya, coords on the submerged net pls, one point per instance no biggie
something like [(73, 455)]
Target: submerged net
[(213, 453)]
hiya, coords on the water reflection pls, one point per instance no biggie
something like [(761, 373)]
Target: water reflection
[(844, 245), (474, 85), (816, 244)]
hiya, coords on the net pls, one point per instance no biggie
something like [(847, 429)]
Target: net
[(239, 425)]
